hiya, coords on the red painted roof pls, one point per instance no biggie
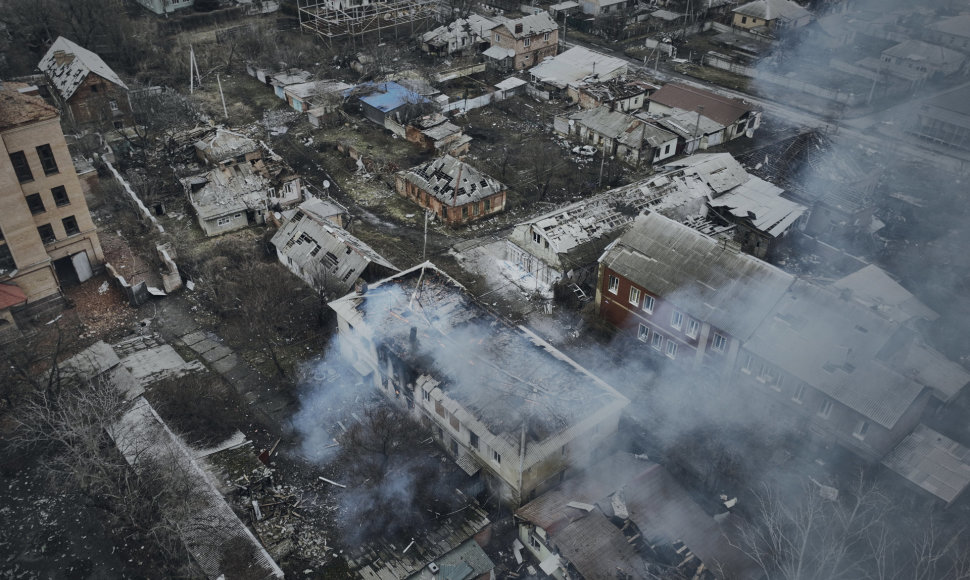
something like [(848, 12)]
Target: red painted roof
[(11, 295)]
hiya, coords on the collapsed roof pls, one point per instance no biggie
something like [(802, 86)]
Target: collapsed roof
[(67, 65), (452, 181)]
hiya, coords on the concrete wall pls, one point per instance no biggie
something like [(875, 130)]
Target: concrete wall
[(526, 56)]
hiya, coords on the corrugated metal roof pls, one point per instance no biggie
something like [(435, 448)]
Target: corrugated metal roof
[(576, 64), (772, 10), (761, 203), (67, 77), (918, 50), (324, 252), (730, 290), (872, 287), (932, 461), (724, 110), (831, 343), (531, 25)]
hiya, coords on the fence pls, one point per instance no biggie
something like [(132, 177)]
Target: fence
[(465, 105)]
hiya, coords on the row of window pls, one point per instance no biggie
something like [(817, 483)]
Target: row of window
[(528, 40), (36, 204), (473, 440), (645, 302), (46, 231), (773, 377), (657, 341), (22, 168)]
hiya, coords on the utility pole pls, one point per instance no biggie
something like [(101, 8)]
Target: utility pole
[(697, 128), (223, 97)]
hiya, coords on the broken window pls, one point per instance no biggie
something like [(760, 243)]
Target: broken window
[(21, 167), (46, 233), (439, 408), (861, 429), (657, 342), (473, 440), (316, 249), (693, 328), (536, 237), (425, 394), (648, 304), (349, 273), (464, 212), (455, 424), (35, 203), (488, 205), (496, 457), (545, 36), (47, 159), (677, 319), (70, 226), (643, 333), (614, 284), (330, 258), (113, 105), (534, 541), (720, 342), (60, 196), (7, 262), (224, 221)]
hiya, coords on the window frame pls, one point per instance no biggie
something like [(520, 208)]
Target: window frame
[(46, 239), (670, 349), (35, 203), (473, 440), (825, 408), (799, 395), (527, 41), (614, 284), (677, 319), (693, 328), (861, 430), (61, 198), (496, 457), (21, 166), (648, 299), (71, 227), (47, 161), (719, 342), (643, 333), (536, 237), (657, 341), (635, 294)]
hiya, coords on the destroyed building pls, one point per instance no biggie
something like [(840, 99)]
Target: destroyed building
[(523, 42), (450, 548), (48, 240), (507, 406), (225, 147), (844, 362), (85, 88), (326, 256), (390, 104), (617, 94), (205, 523), (451, 189), (694, 131), (738, 117), (464, 35), (632, 140), (228, 198), (323, 97), (436, 133), (565, 242), (571, 530)]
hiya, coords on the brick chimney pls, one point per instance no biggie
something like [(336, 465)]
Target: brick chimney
[(62, 58), (518, 28)]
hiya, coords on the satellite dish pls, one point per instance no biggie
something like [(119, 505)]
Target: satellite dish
[(326, 184)]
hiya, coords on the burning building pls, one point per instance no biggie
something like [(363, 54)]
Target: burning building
[(507, 406)]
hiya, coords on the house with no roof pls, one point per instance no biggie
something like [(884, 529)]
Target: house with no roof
[(451, 189)]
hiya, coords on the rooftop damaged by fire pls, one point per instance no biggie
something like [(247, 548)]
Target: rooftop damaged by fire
[(504, 401)]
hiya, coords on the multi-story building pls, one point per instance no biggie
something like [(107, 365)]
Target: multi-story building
[(523, 43), (47, 237), (503, 402), (842, 362)]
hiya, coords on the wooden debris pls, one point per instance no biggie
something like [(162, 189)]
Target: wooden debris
[(331, 482)]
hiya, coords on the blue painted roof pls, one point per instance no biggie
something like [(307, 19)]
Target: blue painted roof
[(389, 96)]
